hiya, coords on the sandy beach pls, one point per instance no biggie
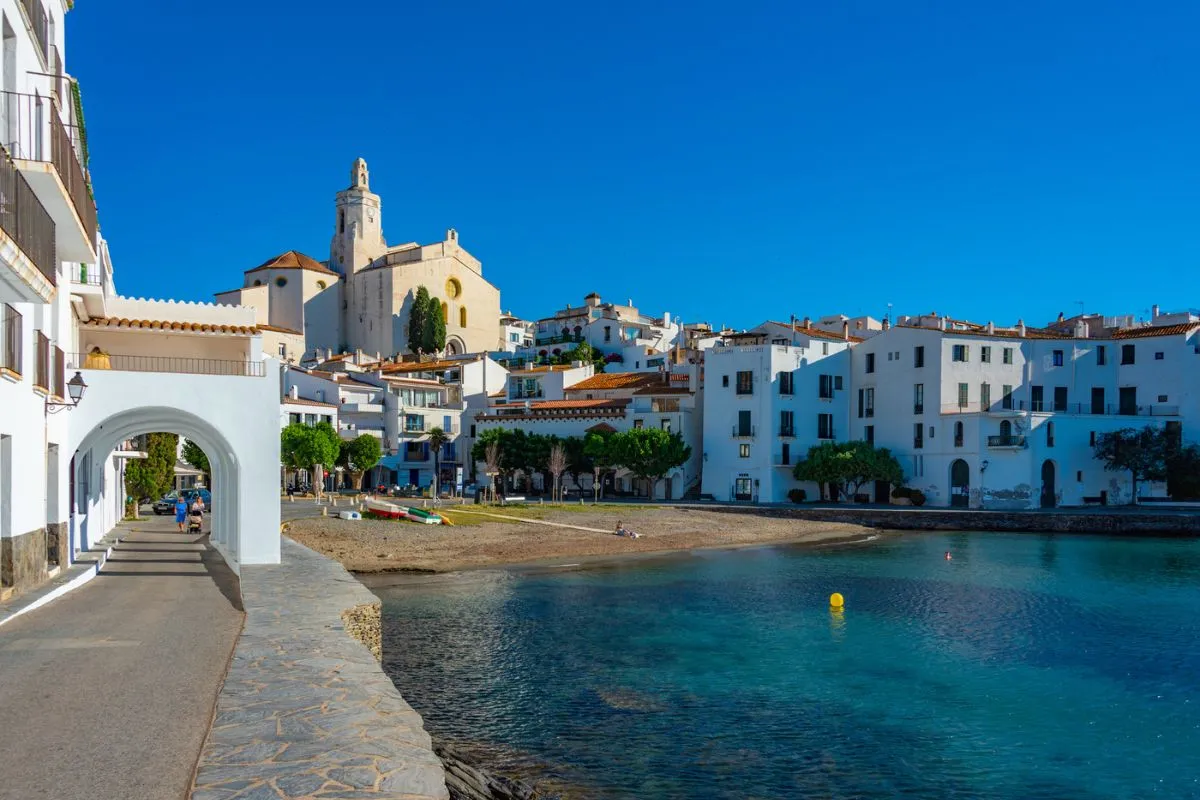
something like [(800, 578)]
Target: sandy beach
[(481, 537)]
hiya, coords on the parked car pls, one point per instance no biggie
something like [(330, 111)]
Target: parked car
[(166, 504)]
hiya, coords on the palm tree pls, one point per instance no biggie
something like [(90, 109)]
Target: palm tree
[(437, 438)]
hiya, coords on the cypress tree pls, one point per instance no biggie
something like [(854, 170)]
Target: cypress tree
[(435, 327), (417, 320)]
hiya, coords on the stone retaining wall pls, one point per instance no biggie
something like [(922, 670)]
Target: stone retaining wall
[(1159, 523), (306, 710), (23, 560)]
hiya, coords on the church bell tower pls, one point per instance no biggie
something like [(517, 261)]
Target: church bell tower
[(358, 224)]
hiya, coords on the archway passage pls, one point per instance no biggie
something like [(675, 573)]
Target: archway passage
[(1049, 490), (960, 484), (234, 419)]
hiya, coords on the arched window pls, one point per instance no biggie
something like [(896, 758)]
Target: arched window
[(1006, 429), (281, 281), (258, 283), (462, 317), (445, 312), (342, 221), (958, 434), (320, 284), (1049, 434), (453, 288)]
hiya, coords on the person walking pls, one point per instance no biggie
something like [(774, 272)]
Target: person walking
[(198, 503), (181, 510)]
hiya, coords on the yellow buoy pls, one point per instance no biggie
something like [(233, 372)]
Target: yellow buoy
[(836, 600)]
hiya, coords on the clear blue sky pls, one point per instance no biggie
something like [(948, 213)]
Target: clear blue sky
[(725, 162)]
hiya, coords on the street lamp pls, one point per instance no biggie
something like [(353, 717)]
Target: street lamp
[(75, 389)]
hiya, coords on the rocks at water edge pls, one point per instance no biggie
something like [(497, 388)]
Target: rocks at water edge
[(465, 782)]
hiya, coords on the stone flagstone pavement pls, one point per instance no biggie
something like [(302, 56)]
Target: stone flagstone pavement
[(306, 711)]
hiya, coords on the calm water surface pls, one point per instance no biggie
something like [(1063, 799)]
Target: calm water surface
[(1026, 667)]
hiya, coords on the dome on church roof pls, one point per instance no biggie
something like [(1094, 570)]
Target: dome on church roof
[(293, 260)]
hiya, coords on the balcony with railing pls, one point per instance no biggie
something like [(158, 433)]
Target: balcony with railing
[(31, 228), (1050, 407), (49, 154), (10, 341), (743, 431), (171, 364), (1009, 441), (787, 431)]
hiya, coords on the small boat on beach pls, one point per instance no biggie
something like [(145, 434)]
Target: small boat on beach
[(421, 515), (384, 510)]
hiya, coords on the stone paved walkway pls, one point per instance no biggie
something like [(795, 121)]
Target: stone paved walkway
[(306, 711), (107, 691)]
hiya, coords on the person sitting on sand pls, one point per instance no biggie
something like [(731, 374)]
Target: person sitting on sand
[(621, 531)]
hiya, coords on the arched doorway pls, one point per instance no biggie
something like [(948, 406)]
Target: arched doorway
[(234, 419), (454, 346), (960, 484), (1049, 490)]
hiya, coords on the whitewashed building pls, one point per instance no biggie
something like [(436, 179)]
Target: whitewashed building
[(572, 401), (769, 395), (986, 417), (135, 366)]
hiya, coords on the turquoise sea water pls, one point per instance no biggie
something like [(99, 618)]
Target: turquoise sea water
[(1026, 667)]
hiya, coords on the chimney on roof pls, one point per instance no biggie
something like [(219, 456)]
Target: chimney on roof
[(845, 330), (358, 356), (1081, 329), (991, 327), (887, 323), (294, 392), (1154, 312), (858, 325), (807, 323), (451, 235), (328, 354), (1021, 327), (941, 323), (1061, 316)]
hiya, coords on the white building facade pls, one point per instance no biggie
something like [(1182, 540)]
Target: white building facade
[(981, 417), (768, 397)]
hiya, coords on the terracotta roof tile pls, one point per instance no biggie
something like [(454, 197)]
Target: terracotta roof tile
[(1156, 330), (304, 401), (420, 366), (168, 326), (552, 405), (293, 259), (616, 380), (279, 330)]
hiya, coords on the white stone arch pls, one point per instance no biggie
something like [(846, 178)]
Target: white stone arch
[(455, 346), (105, 438), (234, 419)]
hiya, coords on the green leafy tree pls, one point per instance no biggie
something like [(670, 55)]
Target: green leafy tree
[(821, 466), (649, 453), (357, 456), (586, 353), (848, 466), (1142, 453), (578, 461), (310, 447), (597, 449), (433, 338), (1183, 472), (196, 458), (437, 440), (416, 321), (153, 476)]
